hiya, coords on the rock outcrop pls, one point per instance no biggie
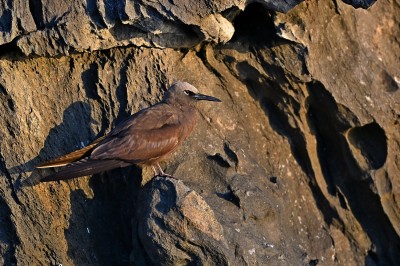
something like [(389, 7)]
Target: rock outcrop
[(297, 166)]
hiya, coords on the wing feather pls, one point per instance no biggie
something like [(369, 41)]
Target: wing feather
[(71, 157), (151, 134), (140, 145), (84, 167)]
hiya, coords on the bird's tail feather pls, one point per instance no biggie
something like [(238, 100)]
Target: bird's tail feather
[(71, 157), (83, 168)]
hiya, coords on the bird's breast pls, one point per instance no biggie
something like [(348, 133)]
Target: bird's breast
[(188, 122)]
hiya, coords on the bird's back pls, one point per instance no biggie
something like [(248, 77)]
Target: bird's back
[(148, 135)]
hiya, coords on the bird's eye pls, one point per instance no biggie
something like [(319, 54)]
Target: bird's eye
[(188, 92)]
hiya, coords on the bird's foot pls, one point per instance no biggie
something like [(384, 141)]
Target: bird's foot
[(167, 175), (161, 172)]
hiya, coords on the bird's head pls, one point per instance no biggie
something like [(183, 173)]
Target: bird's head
[(183, 93)]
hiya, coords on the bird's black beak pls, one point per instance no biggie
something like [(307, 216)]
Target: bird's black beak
[(202, 97)]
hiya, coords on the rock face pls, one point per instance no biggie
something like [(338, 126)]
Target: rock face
[(297, 166), (177, 227)]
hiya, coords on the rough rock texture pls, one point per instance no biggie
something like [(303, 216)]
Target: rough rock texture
[(177, 226), (297, 166), (50, 28)]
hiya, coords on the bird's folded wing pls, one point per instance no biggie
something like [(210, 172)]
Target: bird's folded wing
[(71, 157), (140, 146), (153, 117), (148, 136)]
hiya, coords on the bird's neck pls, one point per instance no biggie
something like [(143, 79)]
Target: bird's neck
[(181, 106)]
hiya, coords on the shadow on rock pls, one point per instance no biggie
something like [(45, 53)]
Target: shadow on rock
[(344, 175), (346, 161), (73, 133), (100, 229)]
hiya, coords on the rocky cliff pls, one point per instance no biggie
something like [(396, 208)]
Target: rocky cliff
[(298, 166)]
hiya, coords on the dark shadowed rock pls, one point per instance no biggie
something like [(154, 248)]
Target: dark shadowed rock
[(360, 3), (16, 18)]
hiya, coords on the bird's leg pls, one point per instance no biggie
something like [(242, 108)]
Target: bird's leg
[(162, 172), (154, 170)]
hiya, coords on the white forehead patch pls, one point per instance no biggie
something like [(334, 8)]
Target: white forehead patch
[(181, 85)]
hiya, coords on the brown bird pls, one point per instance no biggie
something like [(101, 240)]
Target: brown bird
[(143, 139)]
